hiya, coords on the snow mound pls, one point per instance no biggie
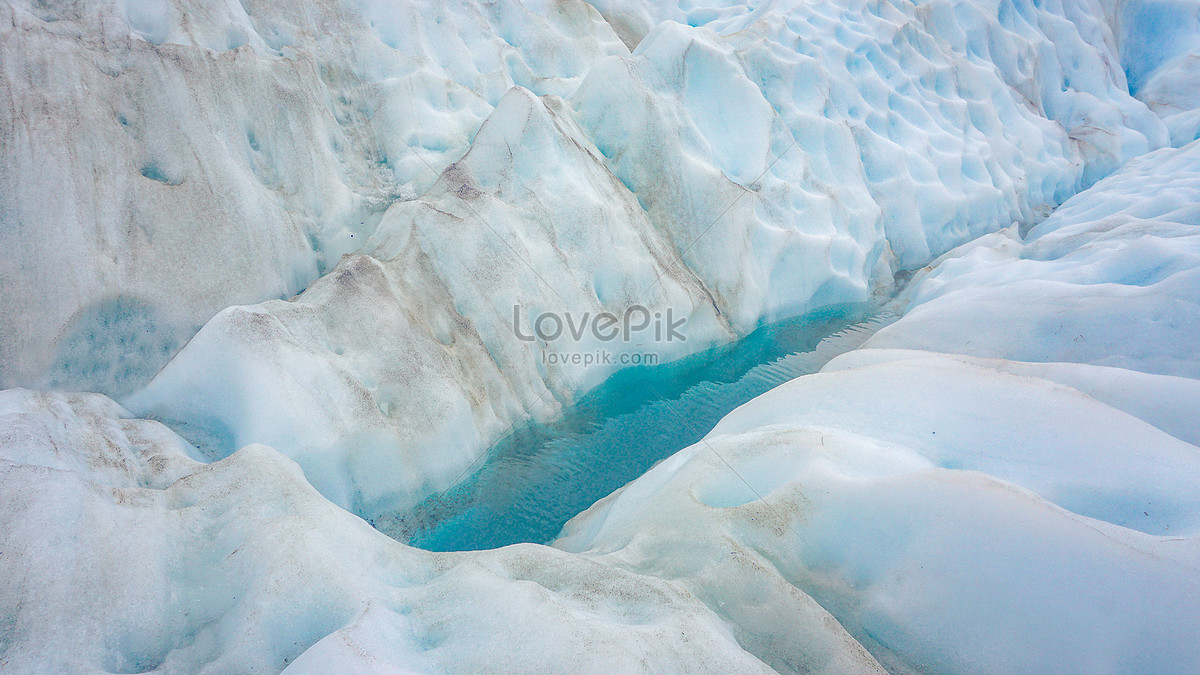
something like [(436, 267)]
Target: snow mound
[(1110, 279)]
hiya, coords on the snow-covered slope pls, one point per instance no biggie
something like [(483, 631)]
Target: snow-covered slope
[(967, 514)]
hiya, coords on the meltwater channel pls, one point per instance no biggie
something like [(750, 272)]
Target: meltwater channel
[(540, 476)]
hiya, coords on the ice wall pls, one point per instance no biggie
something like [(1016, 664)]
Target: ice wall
[(1159, 44), (958, 116), (389, 375)]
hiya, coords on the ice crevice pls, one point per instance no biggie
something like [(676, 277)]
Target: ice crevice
[(538, 476)]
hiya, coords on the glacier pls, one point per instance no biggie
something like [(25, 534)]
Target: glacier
[(266, 265)]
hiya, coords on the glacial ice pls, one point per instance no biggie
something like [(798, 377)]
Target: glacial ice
[(284, 241), (538, 477), (1159, 44)]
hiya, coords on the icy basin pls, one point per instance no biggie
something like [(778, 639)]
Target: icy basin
[(539, 476)]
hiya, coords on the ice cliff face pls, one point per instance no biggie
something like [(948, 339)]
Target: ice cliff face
[(1159, 44), (479, 158)]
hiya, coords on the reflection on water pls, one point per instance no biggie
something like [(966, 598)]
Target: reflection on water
[(541, 475)]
